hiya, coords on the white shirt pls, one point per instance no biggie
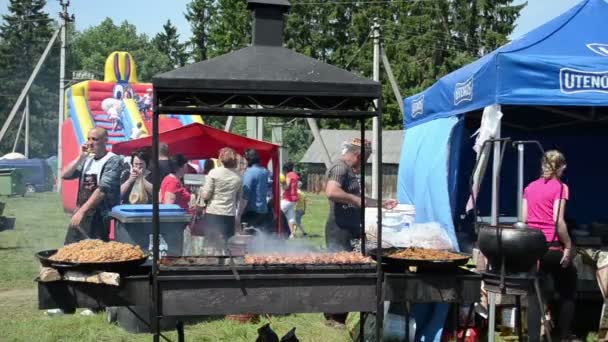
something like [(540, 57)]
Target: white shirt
[(91, 173), (135, 132)]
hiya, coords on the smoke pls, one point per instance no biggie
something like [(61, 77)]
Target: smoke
[(263, 243)]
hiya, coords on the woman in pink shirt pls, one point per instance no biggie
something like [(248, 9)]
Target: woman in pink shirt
[(544, 205), (172, 190), (289, 198)]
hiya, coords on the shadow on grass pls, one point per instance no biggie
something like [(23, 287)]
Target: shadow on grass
[(12, 248), (312, 236)]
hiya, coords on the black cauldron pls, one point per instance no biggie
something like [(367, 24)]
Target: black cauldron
[(520, 247)]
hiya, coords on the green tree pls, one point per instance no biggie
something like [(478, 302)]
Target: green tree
[(24, 33), (198, 13), (167, 42), (92, 46), (229, 27)]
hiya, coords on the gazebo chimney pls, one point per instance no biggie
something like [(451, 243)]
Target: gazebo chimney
[(268, 21)]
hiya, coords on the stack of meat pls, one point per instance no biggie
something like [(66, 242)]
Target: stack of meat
[(308, 258)]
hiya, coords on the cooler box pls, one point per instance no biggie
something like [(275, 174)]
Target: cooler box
[(134, 226)]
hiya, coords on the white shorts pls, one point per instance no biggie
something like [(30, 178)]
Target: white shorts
[(289, 209)]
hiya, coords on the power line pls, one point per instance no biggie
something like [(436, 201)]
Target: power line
[(388, 2), (358, 50)]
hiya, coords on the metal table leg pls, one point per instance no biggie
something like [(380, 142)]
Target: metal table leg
[(466, 323), (407, 322), (361, 326), (492, 316), (520, 334), (541, 303), (456, 312), (180, 331)]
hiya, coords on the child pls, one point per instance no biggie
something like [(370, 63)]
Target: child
[(300, 208), (136, 131), (115, 117), (147, 103)]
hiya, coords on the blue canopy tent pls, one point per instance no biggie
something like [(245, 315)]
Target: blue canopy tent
[(553, 80), (561, 63)]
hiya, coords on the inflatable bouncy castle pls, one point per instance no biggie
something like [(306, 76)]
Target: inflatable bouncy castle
[(118, 104)]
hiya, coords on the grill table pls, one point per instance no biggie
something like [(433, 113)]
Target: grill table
[(459, 286), (214, 290)]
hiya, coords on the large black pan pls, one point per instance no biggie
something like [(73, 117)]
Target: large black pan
[(420, 264), (118, 266)]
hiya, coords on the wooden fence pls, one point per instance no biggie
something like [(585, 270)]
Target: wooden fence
[(315, 181)]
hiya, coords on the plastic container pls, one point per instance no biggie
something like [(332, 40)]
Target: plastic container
[(134, 226), (393, 220)]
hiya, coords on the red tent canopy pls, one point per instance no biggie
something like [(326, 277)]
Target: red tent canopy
[(196, 141)]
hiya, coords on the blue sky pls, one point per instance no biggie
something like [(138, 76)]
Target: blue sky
[(149, 15)]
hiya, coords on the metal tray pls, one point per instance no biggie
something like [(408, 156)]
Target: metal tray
[(118, 266)]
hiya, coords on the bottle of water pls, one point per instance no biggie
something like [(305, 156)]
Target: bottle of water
[(162, 246)]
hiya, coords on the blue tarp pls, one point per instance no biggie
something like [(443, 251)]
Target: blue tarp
[(561, 63), (427, 179)]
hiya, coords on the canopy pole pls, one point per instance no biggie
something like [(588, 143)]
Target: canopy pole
[(496, 177), (520, 182), (156, 305), (379, 273), (377, 158)]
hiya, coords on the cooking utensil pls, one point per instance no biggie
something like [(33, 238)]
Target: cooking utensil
[(518, 248), (81, 231), (116, 266), (420, 264)]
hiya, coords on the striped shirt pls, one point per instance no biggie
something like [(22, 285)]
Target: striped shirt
[(345, 215)]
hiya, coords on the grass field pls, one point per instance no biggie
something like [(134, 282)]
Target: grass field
[(41, 225)]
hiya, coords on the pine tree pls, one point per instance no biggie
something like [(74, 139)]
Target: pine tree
[(24, 33), (198, 13), (167, 42)]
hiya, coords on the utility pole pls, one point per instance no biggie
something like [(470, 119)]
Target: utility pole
[(252, 127), (19, 131), (391, 78), (65, 19), (377, 159), (260, 128), (27, 128), (229, 121)]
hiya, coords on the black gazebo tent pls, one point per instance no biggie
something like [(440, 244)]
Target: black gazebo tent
[(264, 79)]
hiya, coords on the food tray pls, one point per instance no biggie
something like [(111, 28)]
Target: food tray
[(420, 264), (117, 266)]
